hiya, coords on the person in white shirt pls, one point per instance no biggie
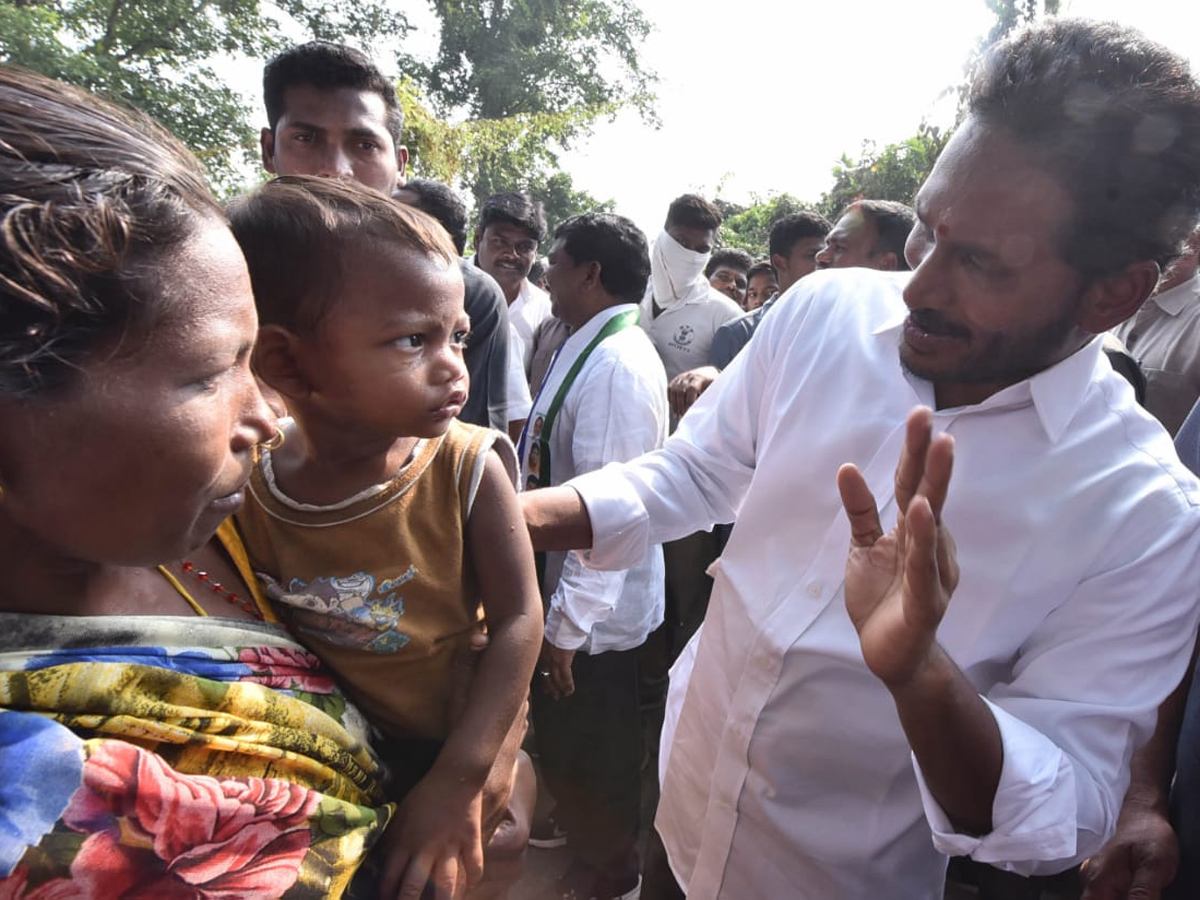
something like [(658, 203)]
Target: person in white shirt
[(681, 311), (603, 400), (510, 227), (826, 741), (507, 234), (1164, 338)]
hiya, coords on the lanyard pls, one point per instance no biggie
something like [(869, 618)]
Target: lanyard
[(538, 461)]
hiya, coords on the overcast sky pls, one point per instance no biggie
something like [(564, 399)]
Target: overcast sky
[(759, 97)]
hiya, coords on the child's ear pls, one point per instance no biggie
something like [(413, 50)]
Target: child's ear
[(276, 362)]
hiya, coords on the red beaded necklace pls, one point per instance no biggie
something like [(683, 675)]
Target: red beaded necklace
[(230, 597)]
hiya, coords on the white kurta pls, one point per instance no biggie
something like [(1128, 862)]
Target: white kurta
[(1078, 531)]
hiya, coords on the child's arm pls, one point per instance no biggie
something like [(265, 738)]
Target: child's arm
[(438, 823)]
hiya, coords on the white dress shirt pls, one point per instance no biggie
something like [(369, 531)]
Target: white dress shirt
[(615, 410), (1078, 531), (519, 399), (1164, 337), (526, 313)]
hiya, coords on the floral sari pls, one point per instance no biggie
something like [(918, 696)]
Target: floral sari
[(162, 757)]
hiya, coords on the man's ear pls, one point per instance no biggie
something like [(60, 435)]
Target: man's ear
[(592, 275), (888, 262), (401, 163), (266, 142), (276, 361), (1110, 300)]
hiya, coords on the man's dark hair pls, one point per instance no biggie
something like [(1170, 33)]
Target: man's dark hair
[(440, 201), (794, 227), (731, 257), (513, 208), (614, 242), (693, 211), (328, 66), (759, 268), (1116, 118), (893, 223)]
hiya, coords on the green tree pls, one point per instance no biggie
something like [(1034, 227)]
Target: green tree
[(562, 200), (1011, 14), (158, 55), (749, 228), (530, 77), (894, 173)]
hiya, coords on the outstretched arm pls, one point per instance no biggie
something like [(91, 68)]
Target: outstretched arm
[(898, 585), (556, 519), (437, 833)]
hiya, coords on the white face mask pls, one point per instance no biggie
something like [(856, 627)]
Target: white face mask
[(676, 273)]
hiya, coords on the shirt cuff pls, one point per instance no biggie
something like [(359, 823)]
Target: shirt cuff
[(561, 632), (620, 525), (1034, 815)]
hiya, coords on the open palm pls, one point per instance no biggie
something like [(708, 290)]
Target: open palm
[(899, 582)]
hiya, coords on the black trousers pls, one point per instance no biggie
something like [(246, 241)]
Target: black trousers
[(658, 881), (589, 747)]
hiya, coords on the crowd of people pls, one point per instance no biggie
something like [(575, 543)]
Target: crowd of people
[(326, 545)]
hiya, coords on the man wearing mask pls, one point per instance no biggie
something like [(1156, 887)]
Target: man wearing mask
[(681, 311)]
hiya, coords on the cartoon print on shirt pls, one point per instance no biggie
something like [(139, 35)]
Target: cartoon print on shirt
[(349, 610), (683, 337)]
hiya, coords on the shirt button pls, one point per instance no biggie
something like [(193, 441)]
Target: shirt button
[(814, 589)]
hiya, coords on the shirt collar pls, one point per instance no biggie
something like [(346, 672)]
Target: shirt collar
[(1178, 298), (589, 329), (1056, 393)]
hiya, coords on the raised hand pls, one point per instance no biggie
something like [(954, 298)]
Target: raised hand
[(899, 582)]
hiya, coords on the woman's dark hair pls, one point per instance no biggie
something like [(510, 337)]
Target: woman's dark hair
[(91, 198)]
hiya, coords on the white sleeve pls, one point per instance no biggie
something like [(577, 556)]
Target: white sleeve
[(624, 414), (703, 471), (520, 402), (1083, 696)]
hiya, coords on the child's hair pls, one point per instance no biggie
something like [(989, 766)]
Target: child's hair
[(297, 231)]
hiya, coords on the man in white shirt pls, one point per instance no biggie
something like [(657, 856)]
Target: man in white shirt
[(869, 234), (818, 744), (507, 234), (681, 311), (1164, 337), (604, 399)]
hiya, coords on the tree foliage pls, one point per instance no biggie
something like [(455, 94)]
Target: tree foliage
[(529, 77), (158, 55), (501, 58), (894, 173), (492, 155), (749, 228)]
